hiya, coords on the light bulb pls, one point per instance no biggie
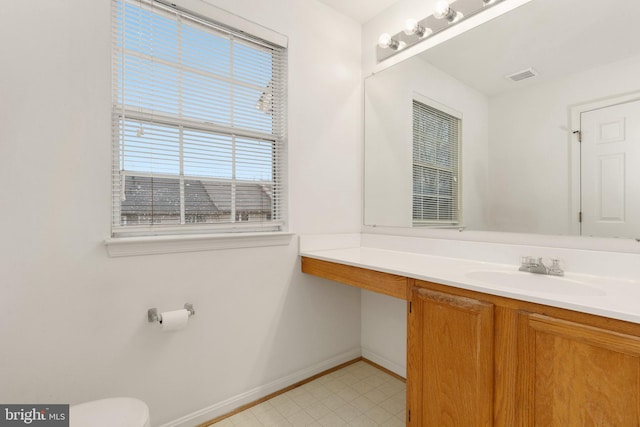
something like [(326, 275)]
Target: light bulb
[(411, 26), (385, 41), (441, 9)]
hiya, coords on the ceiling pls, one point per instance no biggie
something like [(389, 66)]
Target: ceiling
[(360, 10), (553, 37)]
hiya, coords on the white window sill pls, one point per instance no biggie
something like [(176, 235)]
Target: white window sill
[(147, 245)]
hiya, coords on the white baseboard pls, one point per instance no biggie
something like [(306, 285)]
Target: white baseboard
[(226, 406), (385, 363)]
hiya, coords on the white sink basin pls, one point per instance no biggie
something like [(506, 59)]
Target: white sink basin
[(523, 281)]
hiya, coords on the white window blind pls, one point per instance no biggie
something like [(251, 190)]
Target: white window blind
[(436, 158), (199, 125)]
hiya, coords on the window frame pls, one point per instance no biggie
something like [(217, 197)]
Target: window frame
[(215, 18), (456, 168)]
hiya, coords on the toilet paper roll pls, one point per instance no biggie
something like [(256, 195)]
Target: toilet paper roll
[(174, 320)]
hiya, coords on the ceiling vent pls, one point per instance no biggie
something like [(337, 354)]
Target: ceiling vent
[(522, 75)]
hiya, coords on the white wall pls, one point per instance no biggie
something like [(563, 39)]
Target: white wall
[(74, 320), (384, 331), (530, 145)]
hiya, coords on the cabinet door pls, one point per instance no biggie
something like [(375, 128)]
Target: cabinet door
[(450, 360), (576, 375)]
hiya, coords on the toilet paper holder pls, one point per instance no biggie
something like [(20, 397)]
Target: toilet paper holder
[(154, 316)]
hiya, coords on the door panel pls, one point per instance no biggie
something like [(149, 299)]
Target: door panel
[(610, 171), (577, 375), (450, 365)]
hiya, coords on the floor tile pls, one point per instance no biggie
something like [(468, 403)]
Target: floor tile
[(333, 401), (393, 422), (301, 419), (357, 395), (363, 421), (317, 410), (363, 403), (332, 420), (378, 414), (348, 394), (348, 412), (303, 399), (394, 405)]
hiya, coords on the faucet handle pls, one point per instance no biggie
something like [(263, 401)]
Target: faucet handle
[(526, 261), (555, 269)]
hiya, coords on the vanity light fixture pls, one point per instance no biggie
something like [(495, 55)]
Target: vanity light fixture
[(385, 41), (418, 30), (411, 26), (442, 10)]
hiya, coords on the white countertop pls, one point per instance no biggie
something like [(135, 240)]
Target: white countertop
[(612, 297)]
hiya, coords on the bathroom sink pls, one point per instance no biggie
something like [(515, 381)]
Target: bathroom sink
[(523, 281)]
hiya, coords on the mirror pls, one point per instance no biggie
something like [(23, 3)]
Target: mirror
[(522, 167)]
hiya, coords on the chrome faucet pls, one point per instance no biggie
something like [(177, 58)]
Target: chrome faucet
[(555, 269), (537, 266)]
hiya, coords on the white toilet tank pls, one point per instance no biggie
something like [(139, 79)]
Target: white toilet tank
[(113, 412)]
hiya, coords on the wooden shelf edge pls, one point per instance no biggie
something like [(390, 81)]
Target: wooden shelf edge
[(370, 280)]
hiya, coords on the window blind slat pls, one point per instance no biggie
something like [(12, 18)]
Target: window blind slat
[(199, 125), (436, 180)]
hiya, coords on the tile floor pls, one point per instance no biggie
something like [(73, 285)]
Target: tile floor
[(356, 395)]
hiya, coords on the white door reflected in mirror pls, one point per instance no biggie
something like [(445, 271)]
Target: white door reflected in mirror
[(610, 169)]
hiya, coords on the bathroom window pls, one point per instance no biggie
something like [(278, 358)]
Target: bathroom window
[(199, 125), (436, 160)]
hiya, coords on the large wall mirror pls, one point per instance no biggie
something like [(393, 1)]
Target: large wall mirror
[(575, 66)]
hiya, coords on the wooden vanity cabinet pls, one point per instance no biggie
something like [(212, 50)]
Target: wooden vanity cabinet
[(576, 375), (449, 360), (480, 360), (476, 360)]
